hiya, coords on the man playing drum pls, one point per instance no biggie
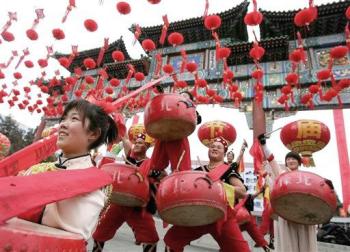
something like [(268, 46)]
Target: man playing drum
[(225, 232), (289, 236), (139, 219)]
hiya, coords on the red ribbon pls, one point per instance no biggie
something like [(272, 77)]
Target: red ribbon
[(137, 33), (206, 9), (159, 63), (68, 10), (184, 60), (164, 30), (102, 51)]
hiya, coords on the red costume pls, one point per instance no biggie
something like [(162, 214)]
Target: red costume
[(139, 219), (225, 232)]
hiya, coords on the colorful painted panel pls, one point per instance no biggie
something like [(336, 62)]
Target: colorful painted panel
[(198, 58), (322, 59)]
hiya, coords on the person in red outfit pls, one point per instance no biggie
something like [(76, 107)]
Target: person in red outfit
[(139, 219), (225, 232), (176, 152)]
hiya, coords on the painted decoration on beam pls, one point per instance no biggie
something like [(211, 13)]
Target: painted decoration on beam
[(305, 137)]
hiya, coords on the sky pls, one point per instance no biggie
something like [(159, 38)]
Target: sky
[(113, 25)]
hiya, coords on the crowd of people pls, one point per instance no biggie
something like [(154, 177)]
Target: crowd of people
[(85, 126)]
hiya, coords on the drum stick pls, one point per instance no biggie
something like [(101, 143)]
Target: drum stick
[(267, 134), (200, 163), (180, 159)]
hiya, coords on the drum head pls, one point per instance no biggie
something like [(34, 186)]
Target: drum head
[(192, 215), (170, 129), (303, 209), (126, 199)]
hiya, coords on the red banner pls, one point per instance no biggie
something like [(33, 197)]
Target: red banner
[(343, 155), (28, 156)]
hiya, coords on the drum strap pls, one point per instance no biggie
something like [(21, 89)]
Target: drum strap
[(22, 193), (217, 173)]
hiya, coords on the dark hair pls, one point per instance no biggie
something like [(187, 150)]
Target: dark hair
[(294, 155), (230, 152), (189, 94), (98, 120)]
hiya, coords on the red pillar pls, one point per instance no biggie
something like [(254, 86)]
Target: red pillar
[(259, 120), (343, 155)]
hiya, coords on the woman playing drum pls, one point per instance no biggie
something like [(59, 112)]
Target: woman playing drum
[(289, 236)]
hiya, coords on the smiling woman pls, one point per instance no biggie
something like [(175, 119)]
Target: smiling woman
[(83, 127)]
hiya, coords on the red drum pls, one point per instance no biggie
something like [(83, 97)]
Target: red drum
[(130, 188), (303, 197), (190, 198), (170, 117), (242, 216), (21, 235)]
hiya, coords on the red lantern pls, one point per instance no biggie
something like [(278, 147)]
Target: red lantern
[(58, 34), (191, 67), (181, 84), (253, 18), (118, 56), (202, 83), (257, 52), (5, 145), (347, 13), (212, 22), (8, 36), (324, 74), (305, 137), (168, 69), (28, 64), (154, 1), (286, 89), (114, 82), (32, 34), (213, 129), (292, 78), (17, 75), (90, 25), (175, 39), (148, 45), (42, 63), (89, 79), (89, 63), (71, 80), (109, 90), (224, 52), (313, 89), (139, 76), (258, 74), (64, 61), (339, 52), (297, 55), (123, 8), (305, 16)]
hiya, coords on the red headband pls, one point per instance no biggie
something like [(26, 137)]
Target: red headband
[(222, 141)]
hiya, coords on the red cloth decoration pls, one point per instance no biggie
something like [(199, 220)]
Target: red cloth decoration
[(28, 156), (23, 193), (206, 9), (137, 33)]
